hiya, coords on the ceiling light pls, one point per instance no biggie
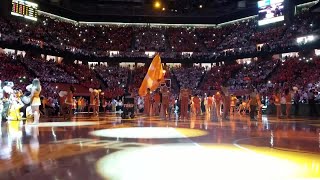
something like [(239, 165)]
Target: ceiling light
[(157, 4)]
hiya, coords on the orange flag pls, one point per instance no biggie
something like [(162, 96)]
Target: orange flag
[(154, 76)]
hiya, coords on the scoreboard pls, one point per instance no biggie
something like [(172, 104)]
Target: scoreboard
[(270, 11), (26, 9)]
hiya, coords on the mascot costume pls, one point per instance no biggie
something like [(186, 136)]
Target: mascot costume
[(15, 106), (26, 109), (7, 97)]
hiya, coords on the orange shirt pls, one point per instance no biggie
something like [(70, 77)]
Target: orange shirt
[(210, 100), (69, 99), (156, 97), (165, 97), (196, 101), (80, 102), (233, 101), (44, 101), (97, 99), (217, 98), (184, 94), (147, 98), (277, 98)]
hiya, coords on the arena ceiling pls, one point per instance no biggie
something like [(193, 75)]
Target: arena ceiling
[(166, 11), (316, 8)]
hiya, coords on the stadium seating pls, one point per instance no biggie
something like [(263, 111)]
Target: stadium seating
[(198, 43)]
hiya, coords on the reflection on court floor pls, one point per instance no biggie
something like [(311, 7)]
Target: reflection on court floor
[(149, 132), (206, 162), (105, 147)]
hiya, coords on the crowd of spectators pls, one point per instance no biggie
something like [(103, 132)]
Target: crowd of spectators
[(150, 39), (184, 40), (297, 72), (266, 75), (303, 24), (188, 77), (48, 71), (138, 75), (83, 74), (235, 38), (12, 70), (212, 37), (113, 76), (255, 73), (268, 35), (240, 37), (218, 76), (131, 41)]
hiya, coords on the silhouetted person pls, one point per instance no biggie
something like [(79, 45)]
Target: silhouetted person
[(312, 104)]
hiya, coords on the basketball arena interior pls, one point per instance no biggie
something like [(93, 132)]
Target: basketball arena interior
[(159, 89)]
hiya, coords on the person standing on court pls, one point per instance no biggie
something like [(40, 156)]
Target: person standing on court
[(253, 104), (147, 103), (184, 102), (226, 103)]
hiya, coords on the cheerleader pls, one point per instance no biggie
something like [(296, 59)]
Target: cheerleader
[(69, 101), (191, 105), (97, 100), (94, 101), (259, 105), (204, 104), (226, 102), (243, 107), (165, 101), (213, 110), (233, 102), (277, 98), (184, 102), (217, 100), (156, 103), (35, 89), (62, 102), (197, 101), (209, 103), (80, 104), (288, 97)]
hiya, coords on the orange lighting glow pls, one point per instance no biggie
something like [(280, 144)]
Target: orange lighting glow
[(157, 4), (200, 161)]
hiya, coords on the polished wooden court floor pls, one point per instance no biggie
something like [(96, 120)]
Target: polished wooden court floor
[(151, 148)]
